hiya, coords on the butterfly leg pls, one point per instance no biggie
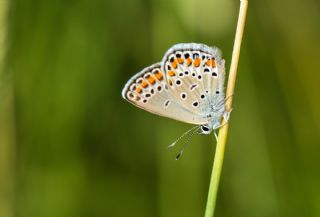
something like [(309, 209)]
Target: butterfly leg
[(215, 135), (226, 116)]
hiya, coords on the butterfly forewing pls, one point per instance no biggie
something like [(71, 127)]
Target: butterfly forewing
[(195, 76), (149, 91)]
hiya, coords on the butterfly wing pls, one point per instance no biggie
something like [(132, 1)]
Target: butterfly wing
[(195, 75), (149, 90)]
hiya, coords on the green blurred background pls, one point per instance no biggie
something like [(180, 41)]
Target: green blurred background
[(70, 146)]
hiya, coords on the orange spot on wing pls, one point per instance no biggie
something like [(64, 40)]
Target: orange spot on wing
[(144, 84), (209, 62), (171, 73), (159, 76), (174, 64), (138, 90), (213, 63), (180, 60), (197, 62), (189, 61), (151, 80)]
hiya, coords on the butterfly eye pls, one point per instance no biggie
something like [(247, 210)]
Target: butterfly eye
[(205, 128)]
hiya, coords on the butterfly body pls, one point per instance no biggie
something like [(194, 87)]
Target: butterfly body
[(187, 85)]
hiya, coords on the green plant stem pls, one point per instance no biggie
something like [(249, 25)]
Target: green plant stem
[(223, 132)]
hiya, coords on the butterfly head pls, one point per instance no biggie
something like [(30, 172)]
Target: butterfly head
[(214, 124), (214, 119), (205, 129)]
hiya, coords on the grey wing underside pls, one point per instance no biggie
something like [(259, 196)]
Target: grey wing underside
[(148, 90), (195, 75)]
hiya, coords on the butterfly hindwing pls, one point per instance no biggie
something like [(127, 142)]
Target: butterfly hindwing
[(149, 91)]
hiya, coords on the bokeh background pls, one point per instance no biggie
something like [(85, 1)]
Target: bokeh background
[(71, 146)]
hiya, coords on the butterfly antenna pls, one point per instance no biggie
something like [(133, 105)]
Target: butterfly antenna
[(185, 145), (182, 136)]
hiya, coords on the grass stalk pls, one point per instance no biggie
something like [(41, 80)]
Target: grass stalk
[(223, 132)]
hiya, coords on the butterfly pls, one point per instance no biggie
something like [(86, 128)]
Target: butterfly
[(187, 85)]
